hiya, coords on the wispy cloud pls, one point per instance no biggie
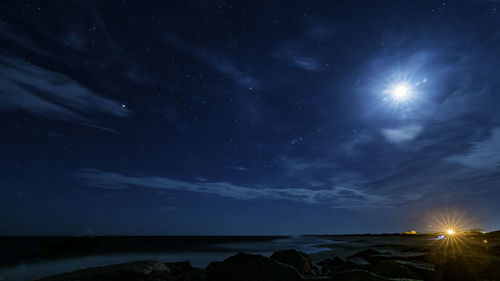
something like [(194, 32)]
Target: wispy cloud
[(167, 208), (303, 51), (321, 172), (239, 168), (306, 63), (218, 62), (354, 145), (336, 197), (296, 57), (138, 77), (173, 117), (483, 154), (295, 165), (402, 134), (15, 37), (53, 95)]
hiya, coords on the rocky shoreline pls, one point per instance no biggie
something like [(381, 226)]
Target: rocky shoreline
[(475, 262)]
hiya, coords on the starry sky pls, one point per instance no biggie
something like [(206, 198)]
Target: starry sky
[(247, 117)]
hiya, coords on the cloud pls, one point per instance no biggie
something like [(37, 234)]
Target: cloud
[(303, 50), (321, 172), (483, 154), (138, 77), (166, 208), (15, 37), (239, 168), (354, 145), (300, 165), (294, 56), (174, 118), (337, 197), (76, 41), (306, 63), (403, 134), (53, 95), (218, 63)]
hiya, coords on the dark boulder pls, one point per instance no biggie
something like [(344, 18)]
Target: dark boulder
[(299, 260), (247, 267), (365, 257), (179, 267), (331, 265), (185, 271), (356, 275), (351, 266), (132, 271), (481, 267), (393, 269), (367, 253)]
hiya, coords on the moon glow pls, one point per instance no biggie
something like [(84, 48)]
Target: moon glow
[(401, 92)]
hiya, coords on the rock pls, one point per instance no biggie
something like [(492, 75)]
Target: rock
[(132, 271), (358, 261), (357, 275), (330, 265), (366, 253), (393, 269), (318, 278), (417, 264), (378, 268), (468, 268), (351, 266), (179, 267), (185, 271), (299, 260), (495, 249), (247, 267), (365, 257)]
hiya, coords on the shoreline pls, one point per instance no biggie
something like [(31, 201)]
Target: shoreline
[(336, 247)]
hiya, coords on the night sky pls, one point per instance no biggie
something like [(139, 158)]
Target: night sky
[(247, 117)]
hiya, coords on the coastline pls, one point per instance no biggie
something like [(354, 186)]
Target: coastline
[(350, 249)]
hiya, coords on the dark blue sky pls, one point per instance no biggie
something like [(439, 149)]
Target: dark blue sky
[(247, 117)]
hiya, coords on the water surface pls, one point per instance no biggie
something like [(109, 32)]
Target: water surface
[(198, 258)]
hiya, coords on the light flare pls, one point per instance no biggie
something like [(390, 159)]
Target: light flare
[(401, 92), (452, 231)]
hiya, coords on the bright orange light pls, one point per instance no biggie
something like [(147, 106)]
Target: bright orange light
[(452, 228), (450, 224)]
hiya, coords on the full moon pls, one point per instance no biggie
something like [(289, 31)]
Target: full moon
[(401, 92)]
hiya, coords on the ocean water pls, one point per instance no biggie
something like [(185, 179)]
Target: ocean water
[(32, 271)]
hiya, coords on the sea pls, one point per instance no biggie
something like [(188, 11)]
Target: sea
[(199, 256)]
